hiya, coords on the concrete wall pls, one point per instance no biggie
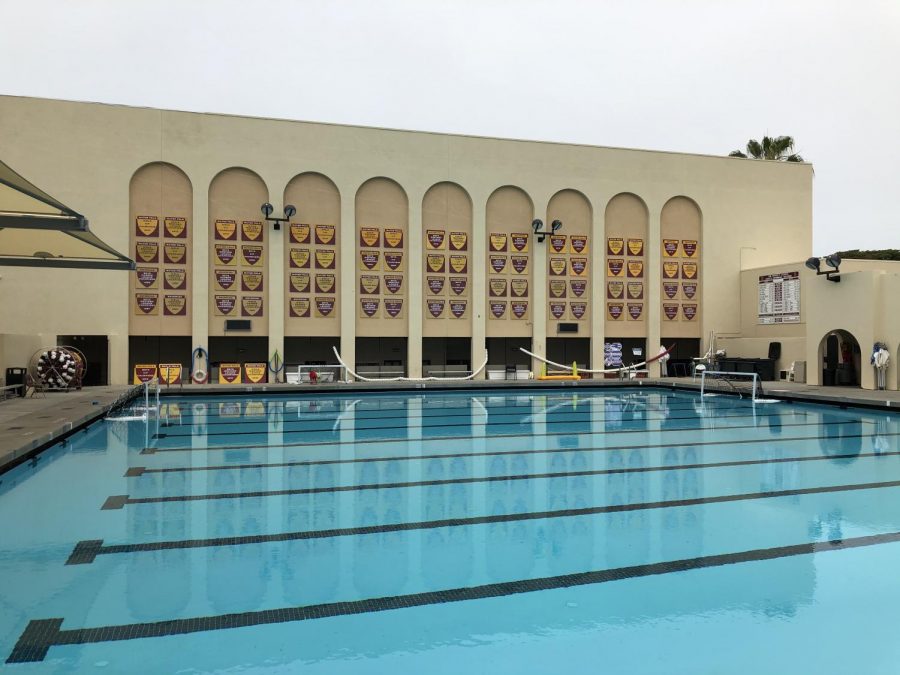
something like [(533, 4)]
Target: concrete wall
[(752, 213)]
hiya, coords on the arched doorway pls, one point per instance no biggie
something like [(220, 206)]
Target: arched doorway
[(840, 359)]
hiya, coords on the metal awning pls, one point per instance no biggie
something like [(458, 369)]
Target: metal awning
[(36, 230)]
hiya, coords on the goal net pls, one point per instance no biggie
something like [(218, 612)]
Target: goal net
[(744, 385)]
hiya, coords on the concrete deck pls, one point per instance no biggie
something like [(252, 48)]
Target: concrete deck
[(28, 425)]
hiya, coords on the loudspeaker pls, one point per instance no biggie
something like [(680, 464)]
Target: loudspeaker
[(567, 328), (237, 324), (774, 350)]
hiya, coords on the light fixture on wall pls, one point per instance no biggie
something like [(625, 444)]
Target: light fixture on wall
[(833, 260), (538, 226), (289, 211)]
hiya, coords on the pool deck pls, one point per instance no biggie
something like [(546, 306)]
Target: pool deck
[(28, 425)]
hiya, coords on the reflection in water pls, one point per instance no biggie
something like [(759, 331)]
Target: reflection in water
[(838, 436)]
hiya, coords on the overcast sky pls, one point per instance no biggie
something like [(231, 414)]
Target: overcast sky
[(690, 75)]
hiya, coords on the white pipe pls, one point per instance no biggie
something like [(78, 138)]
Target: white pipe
[(621, 369), (409, 379)]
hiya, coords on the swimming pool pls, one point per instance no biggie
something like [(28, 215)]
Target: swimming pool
[(525, 531)]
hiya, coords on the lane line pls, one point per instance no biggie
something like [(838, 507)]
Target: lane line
[(330, 428), (137, 471), (469, 437), (42, 634), (86, 551)]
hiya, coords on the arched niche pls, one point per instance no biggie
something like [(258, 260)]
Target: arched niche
[(568, 277), (509, 243), (238, 260), (627, 222), (313, 293), (840, 359), (447, 264), (681, 224), (382, 228), (161, 208)]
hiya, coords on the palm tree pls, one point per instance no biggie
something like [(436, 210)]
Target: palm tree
[(779, 149)]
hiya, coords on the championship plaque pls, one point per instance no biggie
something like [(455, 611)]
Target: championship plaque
[(225, 278), (174, 305), (519, 263), (324, 307), (557, 288), (325, 283), (252, 255), (578, 287), (615, 289), (435, 240), (688, 270), (497, 242), (635, 290), (393, 283), (174, 279), (689, 311), (325, 234), (557, 310), (299, 282), (435, 262), (368, 260), (369, 284), (174, 253), (229, 373), (578, 266), (176, 228), (670, 248), (459, 264), (225, 253), (497, 288), (670, 311), (519, 242), (689, 288), (369, 237), (615, 310), (670, 289), (252, 305), (458, 308), (393, 261), (459, 241), (518, 308), (518, 288), (635, 309), (557, 266), (146, 277), (300, 308), (458, 285), (498, 263), (251, 280), (615, 245), (146, 226), (147, 251), (300, 257), (299, 233), (393, 308), (558, 243), (636, 247), (578, 310), (435, 285), (635, 269), (670, 270), (393, 237), (497, 308), (146, 303), (368, 307), (325, 258), (251, 230), (578, 243), (436, 308), (225, 305), (255, 373), (226, 229), (689, 246), (615, 267)]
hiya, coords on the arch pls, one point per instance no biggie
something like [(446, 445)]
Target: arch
[(382, 206), (235, 195), (162, 191), (315, 232), (446, 213), (627, 225), (681, 222), (509, 211), (569, 289), (839, 359)]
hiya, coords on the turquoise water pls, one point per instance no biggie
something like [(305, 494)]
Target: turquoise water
[(623, 531)]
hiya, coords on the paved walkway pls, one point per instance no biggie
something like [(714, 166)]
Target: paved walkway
[(29, 424)]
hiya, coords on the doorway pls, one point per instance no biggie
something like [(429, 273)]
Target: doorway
[(840, 359), (95, 349)]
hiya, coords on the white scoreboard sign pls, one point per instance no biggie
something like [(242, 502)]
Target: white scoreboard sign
[(779, 298)]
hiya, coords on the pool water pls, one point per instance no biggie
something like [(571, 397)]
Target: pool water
[(600, 531)]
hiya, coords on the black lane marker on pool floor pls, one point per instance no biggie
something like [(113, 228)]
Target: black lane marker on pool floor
[(452, 424), (361, 441), (137, 471), (440, 414), (119, 501), (41, 634), (86, 551)]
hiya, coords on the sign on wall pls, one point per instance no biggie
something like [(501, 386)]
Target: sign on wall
[(779, 298)]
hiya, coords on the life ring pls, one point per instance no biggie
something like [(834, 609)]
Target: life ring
[(57, 368), (199, 376)]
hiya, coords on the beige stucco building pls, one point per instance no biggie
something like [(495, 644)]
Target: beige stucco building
[(410, 251)]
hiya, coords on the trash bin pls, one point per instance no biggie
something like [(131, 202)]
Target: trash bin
[(16, 376)]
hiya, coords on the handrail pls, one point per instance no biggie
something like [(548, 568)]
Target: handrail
[(362, 378), (621, 369)]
